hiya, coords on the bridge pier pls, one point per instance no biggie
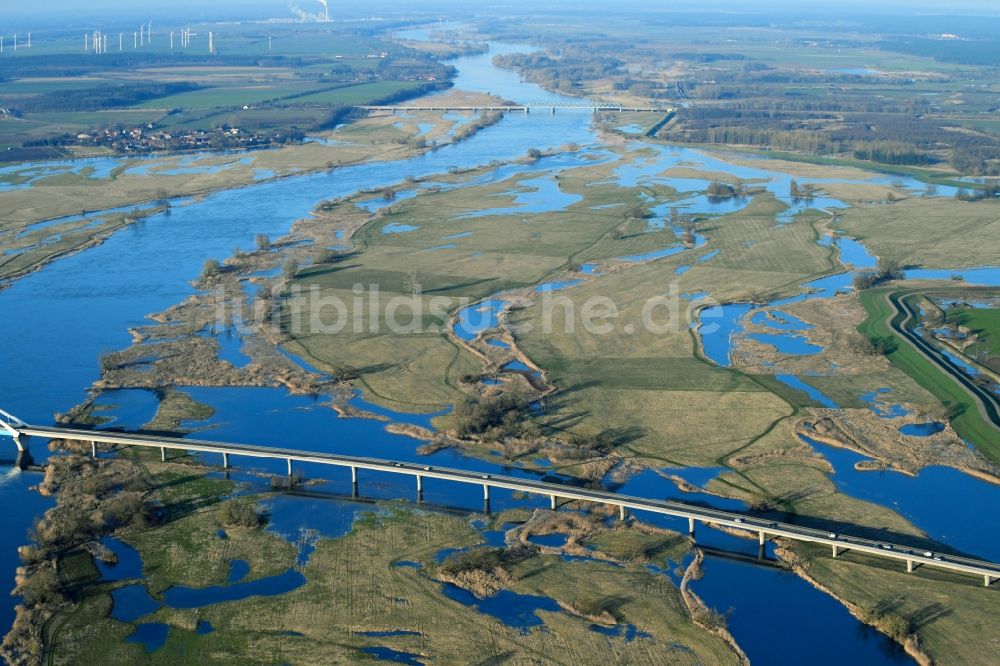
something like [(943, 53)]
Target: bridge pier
[(761, 538), (691, 527), (836, 551), (225, 460), (93, 449), (987, 581), (354, 476), (24, 460), (553, 110), (289, 468), (621, 512), (552, 502), (420, 485), (21, 448), (163, 454), (909, 566)]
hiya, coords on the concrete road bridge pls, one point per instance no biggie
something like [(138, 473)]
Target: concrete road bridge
[(764, 528)]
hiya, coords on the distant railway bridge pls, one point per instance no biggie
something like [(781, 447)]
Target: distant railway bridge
[(549, 107)]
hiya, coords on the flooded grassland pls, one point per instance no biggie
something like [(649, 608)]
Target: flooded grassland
[(708, 407)]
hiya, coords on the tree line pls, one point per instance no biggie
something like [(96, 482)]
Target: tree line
[(896, 139), (100, 97)]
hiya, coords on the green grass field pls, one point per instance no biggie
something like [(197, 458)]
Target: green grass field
[(984, 322), (932, 233), (234, 96), (362, 93)]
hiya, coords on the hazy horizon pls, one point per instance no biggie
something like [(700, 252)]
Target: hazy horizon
[(70, 10)]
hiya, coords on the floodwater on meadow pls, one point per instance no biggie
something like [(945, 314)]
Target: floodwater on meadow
[(396, 656), (238, 570), (479, 317), (942, 501), (126, 408), (535, 195), (152, 635), (29, 173), (558, 285), (921, 429), (398, 228), (781, 321), (92, 217), (720, 324), (984, 275), (877, 401), (657, 159), (520, 366), (814, 627), (813, 392), (519, 611), (654, 254), (653, 484), (290, 517), (199, 597), (787, 343), (854, 254), (549, 540)]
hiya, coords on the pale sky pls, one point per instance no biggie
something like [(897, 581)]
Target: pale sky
[(66, 13)]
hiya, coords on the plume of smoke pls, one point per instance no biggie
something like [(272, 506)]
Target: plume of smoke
[(303, 15)]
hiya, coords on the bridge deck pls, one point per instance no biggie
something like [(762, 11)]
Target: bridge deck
[(763, 527)]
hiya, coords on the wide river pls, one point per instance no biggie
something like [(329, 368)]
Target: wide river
[(60, 319)]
